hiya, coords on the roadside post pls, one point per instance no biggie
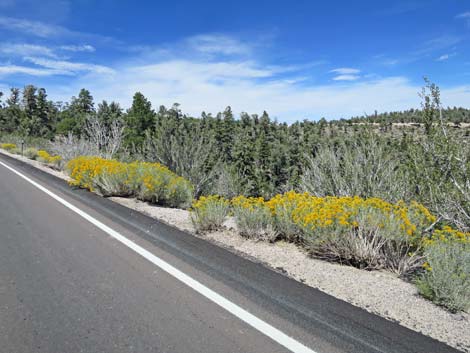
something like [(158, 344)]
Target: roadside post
[(22, 147)]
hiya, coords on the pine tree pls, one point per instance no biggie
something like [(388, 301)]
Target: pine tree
[(107, 113), (31, 123), (73, 117), (45, 114), (12, 112), (226, 136), (139, 119)]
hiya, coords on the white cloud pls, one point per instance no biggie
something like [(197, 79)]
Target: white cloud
[(464, 15), (436, 44), (68, 67), (445, 57), (23, 49), (6, 70), (35, 28), (346, 78), (209, 87), (48, 31), (345, 71), (212, 82), (78, 48), (218, 44)]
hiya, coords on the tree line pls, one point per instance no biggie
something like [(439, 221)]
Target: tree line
[(254, 155)]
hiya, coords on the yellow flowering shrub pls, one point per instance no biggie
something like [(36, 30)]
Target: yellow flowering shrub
[(179, 192), (150, 182), (8, 146), (368, 233), (254, 218), (282, 207), (248, 202), (153, 180), (209, 213), (83, 170), (447, 235), (45, 157)]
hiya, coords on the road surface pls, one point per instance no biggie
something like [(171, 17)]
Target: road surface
[(67, 285)]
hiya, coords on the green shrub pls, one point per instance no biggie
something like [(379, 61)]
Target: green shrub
[(31, 153), (446, 280), (209, 213)]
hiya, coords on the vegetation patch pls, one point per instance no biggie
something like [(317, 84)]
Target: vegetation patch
[(254, 218), (150, 182), (45, 157), (446, 279), (31, 153), (209, 213), (8, 146)]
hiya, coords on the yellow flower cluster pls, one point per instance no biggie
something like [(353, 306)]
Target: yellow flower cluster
[(209, 212), (8, 146), (311, 213), (45, 157), (84, 170), (151, 182), (448, 234), (204, 201), (248, 202)]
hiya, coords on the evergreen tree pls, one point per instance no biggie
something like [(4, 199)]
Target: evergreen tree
[(30, 123), (139, 119), (73, 117), (107, 113), (45, 112)]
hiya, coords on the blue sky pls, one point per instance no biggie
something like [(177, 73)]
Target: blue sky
[(295, 59)]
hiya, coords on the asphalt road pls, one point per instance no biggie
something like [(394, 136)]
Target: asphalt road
[(68, 286)]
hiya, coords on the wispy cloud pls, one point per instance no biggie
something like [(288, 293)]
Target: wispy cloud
[(200, 87), (242, 79), (49, 31), (346, 78), (345, 71), (218, 44), (345, 74), (68, 67), (34, 28), (465, 15), (6, 70), (437, 44), (24, 49), (445, 57), (78, 48)]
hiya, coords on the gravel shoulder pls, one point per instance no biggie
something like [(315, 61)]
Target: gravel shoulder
[(378, 292)]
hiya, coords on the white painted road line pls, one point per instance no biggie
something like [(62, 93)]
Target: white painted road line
[(255, 322)]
